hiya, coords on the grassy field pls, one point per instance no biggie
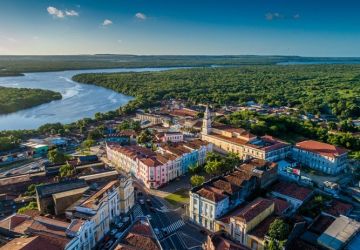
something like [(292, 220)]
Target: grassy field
[(179, 197)]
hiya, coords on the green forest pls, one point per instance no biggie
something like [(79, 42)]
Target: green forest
[(318, 89), (14, 99)]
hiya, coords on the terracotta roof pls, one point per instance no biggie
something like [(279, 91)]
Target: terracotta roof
[(184, 112), (209, 194), (321, 148), (253, 209), (10, 223), (292, 190), (262, 228), (320, 224), (299, 244), (280, 205), (226, 186), (30, 243), (140, 237), (222, 241), (338, 208)]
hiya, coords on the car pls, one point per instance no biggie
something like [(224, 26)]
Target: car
[(164, 232), (148, 201), (108, 244), (119, 225), (141, 201), (156, 230), (118, 235), (152, 209), (7, 174), (149, 216), (113, 232), (125, 219)]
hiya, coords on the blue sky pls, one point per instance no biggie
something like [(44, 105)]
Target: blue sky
[(211, 27)]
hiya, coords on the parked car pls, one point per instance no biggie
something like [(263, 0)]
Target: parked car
[(118, 235), (149, 217), (152, 209), (119, 225), (156, 230), (141, 201), (125, 219), (108, 244), (113, 232), (148, 201)]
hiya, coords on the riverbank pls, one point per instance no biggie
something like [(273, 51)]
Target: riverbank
[(15, 99)]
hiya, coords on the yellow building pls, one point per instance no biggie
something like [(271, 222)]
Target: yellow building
[(242, 221), (126, 194), (242, 142)]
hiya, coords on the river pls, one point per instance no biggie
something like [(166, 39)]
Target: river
[(78, 100)]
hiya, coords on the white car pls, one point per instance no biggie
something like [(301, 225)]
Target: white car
[(141, 201), (156, 230), (113, 232), (149, 217)]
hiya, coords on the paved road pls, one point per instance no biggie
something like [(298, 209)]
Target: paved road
[(173, 229)]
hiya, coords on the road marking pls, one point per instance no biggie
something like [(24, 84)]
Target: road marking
[(137, 211), (174, 226)]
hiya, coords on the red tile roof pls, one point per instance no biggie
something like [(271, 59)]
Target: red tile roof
[(292, 190), (262, 228), (221, 241), (140, 237), (338, 208), (321, 148), (31, 243), (280, 205), (253, 209), (13, 221)]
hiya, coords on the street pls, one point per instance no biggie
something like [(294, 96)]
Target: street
[(173, 231)]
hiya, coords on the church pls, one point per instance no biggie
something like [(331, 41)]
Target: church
[(242, 142)]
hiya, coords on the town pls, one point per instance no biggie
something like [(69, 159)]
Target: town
[(176, 177)]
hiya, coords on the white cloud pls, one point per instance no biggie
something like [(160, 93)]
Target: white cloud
[(71, 13), (107, 22), (55, 12), (140, 16)]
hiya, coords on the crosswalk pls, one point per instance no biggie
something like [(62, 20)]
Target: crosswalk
[(174, 226), (137, 211)]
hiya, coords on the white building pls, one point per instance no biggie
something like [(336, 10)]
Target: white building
[(100, 209), (321, 156)]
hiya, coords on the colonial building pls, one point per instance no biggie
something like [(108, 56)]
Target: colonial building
[(292, 193), (155, 169), (126, 194), (139, 235), (321, 156), (218, 196), (99, 208), (221, 241), (242, 142), (265, 171), (45, 233), (247, 218)]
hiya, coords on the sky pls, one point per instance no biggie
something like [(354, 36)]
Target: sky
[(186, 27)]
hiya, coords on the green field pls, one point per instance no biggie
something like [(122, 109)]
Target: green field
[(179, 197)]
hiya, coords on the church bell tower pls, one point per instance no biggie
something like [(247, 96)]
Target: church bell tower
[(206, 127)]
